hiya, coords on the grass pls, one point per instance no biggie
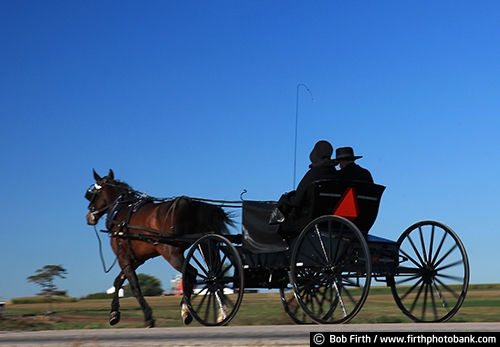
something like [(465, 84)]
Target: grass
[(481, 305)]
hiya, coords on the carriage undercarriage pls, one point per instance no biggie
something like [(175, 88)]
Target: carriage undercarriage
[(325, 278)]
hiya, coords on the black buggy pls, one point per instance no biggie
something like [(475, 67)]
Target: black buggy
[(324, 261)]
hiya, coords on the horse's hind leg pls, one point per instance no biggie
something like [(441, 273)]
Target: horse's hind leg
[(149, 321), (190, 279), (114, 315), (175, 257)]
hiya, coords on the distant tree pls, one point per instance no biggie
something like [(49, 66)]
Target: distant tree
[(44, 277), (150, 286)]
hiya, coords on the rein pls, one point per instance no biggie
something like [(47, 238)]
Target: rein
[(103, 262), (125, 194)]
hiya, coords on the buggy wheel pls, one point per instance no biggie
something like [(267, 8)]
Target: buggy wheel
[(329, 271), (218, 292), (431, 281), (292, 307)]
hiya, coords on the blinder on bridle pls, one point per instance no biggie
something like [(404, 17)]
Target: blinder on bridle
[(91, 193)]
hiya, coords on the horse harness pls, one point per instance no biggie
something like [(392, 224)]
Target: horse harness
[(132, 201)]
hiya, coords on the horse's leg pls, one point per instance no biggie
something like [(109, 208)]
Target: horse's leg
[(190, 282), (190, 276), (149, 321), (114, 315), (175, 256)]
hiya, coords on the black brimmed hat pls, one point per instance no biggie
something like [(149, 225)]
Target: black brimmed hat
[(346, 153)]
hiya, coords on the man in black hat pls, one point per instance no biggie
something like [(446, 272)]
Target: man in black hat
[(349, 170), (321, 167)]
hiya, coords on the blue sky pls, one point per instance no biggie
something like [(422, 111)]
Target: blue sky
[(199, 98)]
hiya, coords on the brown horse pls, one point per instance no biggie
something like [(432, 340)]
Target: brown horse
[(142, 227)]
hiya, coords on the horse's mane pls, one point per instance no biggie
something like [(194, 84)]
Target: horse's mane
[(122, 185)]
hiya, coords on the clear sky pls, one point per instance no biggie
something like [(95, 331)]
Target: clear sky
[(199, 98)]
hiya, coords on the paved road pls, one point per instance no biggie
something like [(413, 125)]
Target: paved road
[(279, 335)]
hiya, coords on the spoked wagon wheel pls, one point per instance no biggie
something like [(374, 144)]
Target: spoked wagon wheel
[(432, 278), (331, 270), (218, 292), (292, 307)]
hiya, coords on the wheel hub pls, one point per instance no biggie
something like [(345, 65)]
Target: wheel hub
[(428, 274), (211, 283), (329, 269)]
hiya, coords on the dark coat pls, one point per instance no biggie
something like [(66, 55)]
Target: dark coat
[(322, 167), (315, 173), (355, 172)]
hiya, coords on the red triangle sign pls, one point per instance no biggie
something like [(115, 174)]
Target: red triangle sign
[(348, 205)]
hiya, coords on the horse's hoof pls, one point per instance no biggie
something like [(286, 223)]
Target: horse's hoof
[(114, 317), (222, 314), (186, 316), (188, 319), (149, 323)]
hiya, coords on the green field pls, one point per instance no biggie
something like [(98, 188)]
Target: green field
[(481, 305)]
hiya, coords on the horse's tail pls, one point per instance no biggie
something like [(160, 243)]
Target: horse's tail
[(226, 219), (213, 218), (195, 216)]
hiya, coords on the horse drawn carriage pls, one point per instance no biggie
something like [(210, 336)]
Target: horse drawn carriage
[(322, 262)]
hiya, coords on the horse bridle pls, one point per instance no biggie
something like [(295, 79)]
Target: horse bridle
[(92, 192)]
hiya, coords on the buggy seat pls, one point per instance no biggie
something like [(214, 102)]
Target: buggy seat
[(355, 200)]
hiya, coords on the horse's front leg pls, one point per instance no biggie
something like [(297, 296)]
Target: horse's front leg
[(114, 315), (149, 321)]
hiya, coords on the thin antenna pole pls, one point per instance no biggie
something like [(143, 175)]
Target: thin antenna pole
[(296, 126)]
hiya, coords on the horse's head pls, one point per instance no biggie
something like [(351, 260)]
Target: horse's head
[(101, 196)]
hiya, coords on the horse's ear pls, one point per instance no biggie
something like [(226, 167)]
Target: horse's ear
[(111, 175), (96, 176)]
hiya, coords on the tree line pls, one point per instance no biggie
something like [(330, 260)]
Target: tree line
[(44, 277)]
